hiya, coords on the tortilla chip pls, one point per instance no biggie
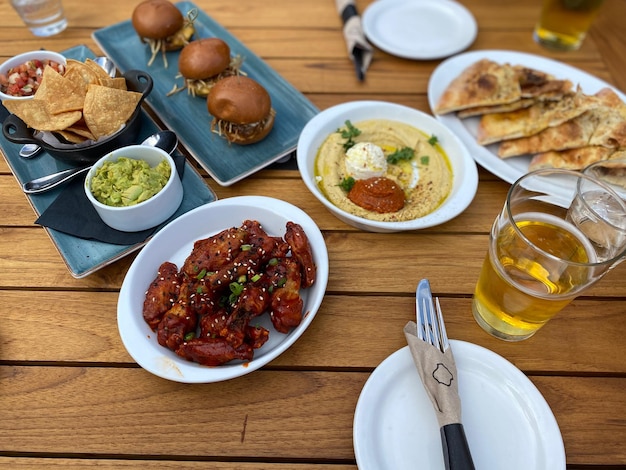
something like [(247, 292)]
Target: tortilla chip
[(76, 69), (99, 71), (117, 82), (71, 137), (36, 114), (62, 95), (106, 109)]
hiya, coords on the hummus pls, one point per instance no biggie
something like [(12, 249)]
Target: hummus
[(426, 178)]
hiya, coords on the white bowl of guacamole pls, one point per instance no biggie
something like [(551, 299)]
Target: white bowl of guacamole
[(134, 188)]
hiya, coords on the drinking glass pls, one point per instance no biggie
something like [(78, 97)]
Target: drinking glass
[(559, 232), (42, 17), (612, 172), (563, 24)]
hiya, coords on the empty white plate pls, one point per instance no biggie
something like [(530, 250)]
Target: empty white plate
[(419, 29)]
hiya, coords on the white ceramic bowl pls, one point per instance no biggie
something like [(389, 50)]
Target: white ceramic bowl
[(25, 57), (146, 214), (174, 243), (465, 174)]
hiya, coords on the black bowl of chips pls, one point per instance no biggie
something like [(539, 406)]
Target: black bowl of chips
[(77, 131)]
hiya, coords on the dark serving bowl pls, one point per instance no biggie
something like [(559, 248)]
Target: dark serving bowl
[(15, 130)]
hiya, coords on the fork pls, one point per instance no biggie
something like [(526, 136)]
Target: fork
[(430, 326), (432, 330)]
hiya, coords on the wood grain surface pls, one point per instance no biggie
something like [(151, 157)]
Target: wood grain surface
[(72, 397)]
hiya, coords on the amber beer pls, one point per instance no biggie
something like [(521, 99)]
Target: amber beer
[(563, 24), (522, 285)]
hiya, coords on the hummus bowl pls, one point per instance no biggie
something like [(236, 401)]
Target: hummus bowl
[(464, 175)]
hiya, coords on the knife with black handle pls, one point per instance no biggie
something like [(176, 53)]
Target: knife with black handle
[(456, 451)]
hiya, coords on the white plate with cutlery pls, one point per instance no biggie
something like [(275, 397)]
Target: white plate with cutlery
[(507, 421)]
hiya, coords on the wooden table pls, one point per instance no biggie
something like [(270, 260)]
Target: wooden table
[(71, 396)]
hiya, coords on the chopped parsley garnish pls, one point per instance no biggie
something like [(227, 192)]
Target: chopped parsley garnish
[(405, 153), (433, 140), (348, 133), (347, 183), (425, 160)]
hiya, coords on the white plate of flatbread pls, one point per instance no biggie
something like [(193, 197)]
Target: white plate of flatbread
[(508, 147)]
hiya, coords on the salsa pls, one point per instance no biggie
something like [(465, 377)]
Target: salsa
[(24, 79), (378, 194)]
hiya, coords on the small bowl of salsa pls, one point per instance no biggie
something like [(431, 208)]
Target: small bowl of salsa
[(21, 75)]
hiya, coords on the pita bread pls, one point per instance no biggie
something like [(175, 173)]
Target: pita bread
[(499, 108), (497, 127), (571, 159), (611, 130), (484, 83), (613, 170), (571, 134), (577, 132), (541, 85)]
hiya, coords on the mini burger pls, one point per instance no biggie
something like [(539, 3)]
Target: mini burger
[(160, 24), (241, 109), (202, 63)]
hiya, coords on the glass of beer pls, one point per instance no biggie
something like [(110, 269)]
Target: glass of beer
[(560, 231), (563, 24)]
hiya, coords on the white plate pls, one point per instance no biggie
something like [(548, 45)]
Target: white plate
[(174, 243), (507, 421), (509, 169), (419, 29)]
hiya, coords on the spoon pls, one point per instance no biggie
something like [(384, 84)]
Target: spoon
[(165, 140), (32, 150)]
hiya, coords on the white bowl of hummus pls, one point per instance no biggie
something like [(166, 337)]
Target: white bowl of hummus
[(134, 188), (384, 167)]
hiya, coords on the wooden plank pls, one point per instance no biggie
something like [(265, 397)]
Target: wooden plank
[(27, 463), (348, 332), (400, 259), (85, 410)]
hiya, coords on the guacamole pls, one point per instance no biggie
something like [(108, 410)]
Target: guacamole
[(127, 181)]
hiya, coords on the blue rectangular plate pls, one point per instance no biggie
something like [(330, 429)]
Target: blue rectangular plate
[(84, 257), (188, 115)]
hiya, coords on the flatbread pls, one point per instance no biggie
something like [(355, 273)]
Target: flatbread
[(577, 132), (572, 159), (611, 130), (497, 127), (499, 108), (541, 85), (571, 134), (484, 83), (613, 170)]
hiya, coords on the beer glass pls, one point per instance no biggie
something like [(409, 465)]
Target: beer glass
[(563, 24), (560, 231)]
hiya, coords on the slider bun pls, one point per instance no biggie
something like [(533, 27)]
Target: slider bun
[(239, 99), (156, 19), (204, 58)]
